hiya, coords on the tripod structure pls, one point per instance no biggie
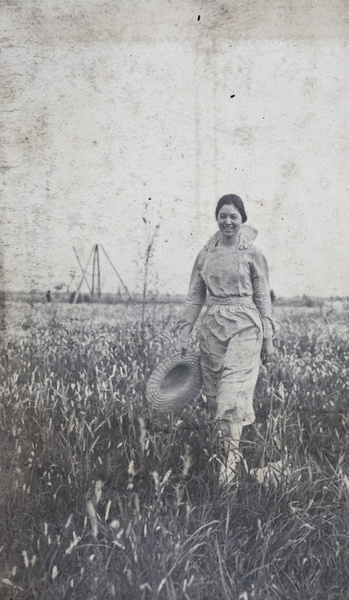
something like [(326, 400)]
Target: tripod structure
[(95, 287)]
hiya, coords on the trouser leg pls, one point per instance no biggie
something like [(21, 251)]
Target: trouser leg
[(235, 394), (230, 373), (231, 435), (238, 377), (211, 405)]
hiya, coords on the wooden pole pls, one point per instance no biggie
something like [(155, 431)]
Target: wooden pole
[(93, 271), (98, 273), (115, 271), (83, 274)]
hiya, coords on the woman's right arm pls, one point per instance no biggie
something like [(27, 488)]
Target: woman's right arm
[(194, 302)]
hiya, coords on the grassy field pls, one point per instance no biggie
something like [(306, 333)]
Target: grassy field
[(102, 499)]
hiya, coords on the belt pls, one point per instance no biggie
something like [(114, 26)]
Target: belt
[(237, 300)]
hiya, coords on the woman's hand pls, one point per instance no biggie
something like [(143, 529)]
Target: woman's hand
[(182, 346), (267, 350)]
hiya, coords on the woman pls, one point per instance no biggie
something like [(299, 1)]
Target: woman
[(237, 326)]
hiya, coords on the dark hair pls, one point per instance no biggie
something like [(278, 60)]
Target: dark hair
[(236, 201)]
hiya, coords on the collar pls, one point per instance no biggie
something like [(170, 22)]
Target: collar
[(247, 236)]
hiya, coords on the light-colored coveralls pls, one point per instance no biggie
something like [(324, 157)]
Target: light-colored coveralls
[(234, 283)]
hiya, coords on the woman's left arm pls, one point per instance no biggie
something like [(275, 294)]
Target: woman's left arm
[(261, 298)]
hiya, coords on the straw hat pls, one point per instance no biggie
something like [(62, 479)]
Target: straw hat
[(175, 383)]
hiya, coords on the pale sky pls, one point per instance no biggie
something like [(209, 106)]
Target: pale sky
[(109, 104)]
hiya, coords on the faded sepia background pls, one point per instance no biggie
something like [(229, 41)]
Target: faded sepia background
[(128, 118), (110, 104)]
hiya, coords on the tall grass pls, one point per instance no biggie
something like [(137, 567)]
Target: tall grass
[(101, 498)]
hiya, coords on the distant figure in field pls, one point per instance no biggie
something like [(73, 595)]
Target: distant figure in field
[(48, 296), (237, 326), (272, 296)]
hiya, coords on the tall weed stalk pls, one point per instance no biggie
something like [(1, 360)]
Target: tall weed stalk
[(151, 232)]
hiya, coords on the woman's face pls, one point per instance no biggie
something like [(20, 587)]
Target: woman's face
[(229, 220)]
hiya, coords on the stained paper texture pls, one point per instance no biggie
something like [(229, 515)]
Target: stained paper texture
[(106, 105), (123, 123)]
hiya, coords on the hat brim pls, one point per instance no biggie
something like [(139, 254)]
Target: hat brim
[(175, 383)]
